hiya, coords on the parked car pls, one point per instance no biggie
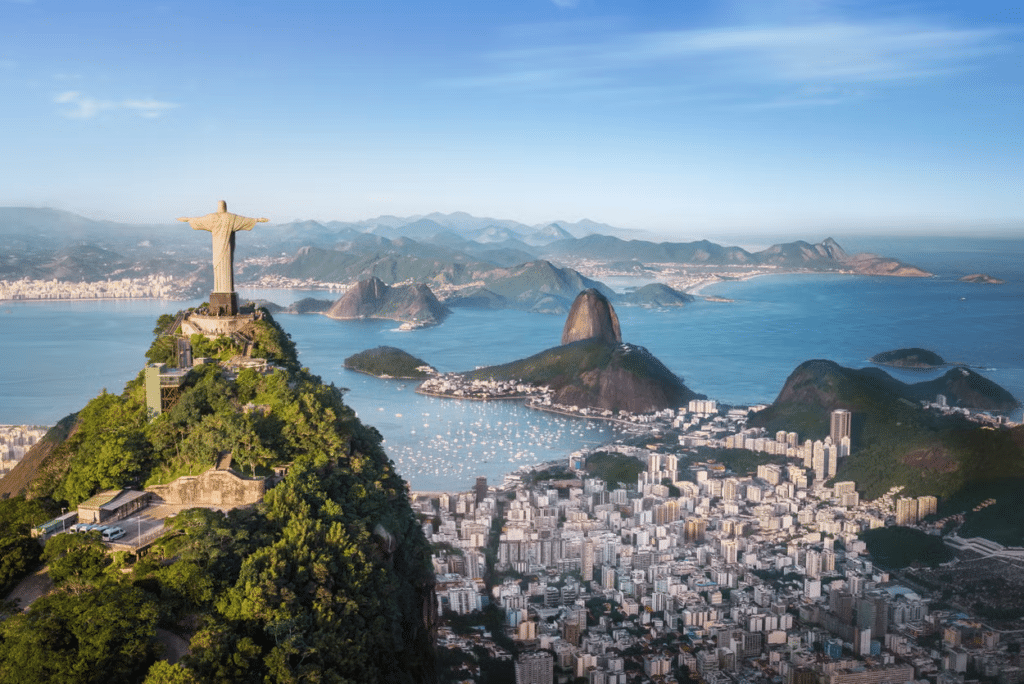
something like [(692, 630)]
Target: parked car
[(112, 533)]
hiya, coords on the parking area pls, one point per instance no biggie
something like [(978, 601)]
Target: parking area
[(141, 526)]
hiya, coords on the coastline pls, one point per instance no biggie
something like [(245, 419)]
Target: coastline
[(697, 290), (413, 325), (39, 300), (382, 377), (528, 404), (515, 397)]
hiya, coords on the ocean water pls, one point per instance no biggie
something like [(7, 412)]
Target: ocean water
[(57, 355)]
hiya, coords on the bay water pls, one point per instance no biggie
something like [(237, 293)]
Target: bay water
[(55, 356)]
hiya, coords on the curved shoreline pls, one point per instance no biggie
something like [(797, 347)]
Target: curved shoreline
[(439, 395), (381, 377), (698, 289), (529, 405)]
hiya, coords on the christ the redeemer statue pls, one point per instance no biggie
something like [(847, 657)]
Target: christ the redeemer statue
[(222, 226)]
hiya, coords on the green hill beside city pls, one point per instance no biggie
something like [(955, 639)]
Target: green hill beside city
[(895, 441), (329, 574)]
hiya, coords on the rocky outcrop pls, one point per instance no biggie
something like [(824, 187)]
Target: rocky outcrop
[(591, 317), (595, 373), (372, 298), (593, 368), (632, 379), (872, 264), (982, 278)]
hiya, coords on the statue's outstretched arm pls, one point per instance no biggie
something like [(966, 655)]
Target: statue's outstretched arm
[(198, 222)]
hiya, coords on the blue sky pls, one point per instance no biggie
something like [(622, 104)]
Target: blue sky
[(688, 118)]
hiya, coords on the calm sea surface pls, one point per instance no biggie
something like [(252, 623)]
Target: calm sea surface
[(57, 355)]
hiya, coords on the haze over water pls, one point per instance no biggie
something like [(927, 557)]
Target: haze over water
[(58, 355)]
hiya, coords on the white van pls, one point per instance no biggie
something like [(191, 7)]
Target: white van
[(112, 533)]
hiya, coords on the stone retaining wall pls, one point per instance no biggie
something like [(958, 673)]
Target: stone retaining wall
[(212, 488)]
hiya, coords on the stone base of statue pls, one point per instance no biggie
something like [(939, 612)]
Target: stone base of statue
[(223, 304), (214, 326)]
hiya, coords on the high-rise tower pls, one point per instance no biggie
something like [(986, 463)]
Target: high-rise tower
[(839, 425)]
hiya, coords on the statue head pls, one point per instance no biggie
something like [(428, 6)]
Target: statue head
[(222, 206)]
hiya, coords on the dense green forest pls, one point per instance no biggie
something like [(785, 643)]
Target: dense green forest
[(898, 547), (614, 469), (328, 580), (388, 362)]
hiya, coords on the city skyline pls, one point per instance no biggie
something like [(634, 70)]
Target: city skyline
[(690, 122)]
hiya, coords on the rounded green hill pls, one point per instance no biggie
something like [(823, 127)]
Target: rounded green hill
[(389, 362)]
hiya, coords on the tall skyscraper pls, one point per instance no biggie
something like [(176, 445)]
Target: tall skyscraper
[(840, 425)]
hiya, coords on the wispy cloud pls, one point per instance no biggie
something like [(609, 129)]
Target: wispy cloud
[(79, 106), (816, 64)]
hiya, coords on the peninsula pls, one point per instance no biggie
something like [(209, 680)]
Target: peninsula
[(592, 373)]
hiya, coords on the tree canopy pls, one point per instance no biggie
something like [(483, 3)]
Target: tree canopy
[(329, 579)]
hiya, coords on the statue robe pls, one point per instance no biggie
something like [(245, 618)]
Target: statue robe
[(222, 226)]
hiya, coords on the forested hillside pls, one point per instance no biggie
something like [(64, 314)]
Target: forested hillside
[(329, 579)]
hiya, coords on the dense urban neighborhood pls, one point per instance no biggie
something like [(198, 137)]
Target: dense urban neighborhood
[(696, 571)]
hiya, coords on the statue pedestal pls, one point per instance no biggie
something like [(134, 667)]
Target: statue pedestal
[(223, 304), (214, 326)]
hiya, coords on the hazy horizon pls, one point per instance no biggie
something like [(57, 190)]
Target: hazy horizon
[(747, 237)]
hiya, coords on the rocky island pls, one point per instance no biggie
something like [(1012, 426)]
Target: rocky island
[(982, 278), (913, 357), (415, 305), (390, 362)]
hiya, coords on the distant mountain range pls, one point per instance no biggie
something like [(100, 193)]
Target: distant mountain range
[(481, 261)]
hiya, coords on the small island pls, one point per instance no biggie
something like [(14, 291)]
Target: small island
[(914, 358), (656, 295), (390, 362), (983, 278)]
